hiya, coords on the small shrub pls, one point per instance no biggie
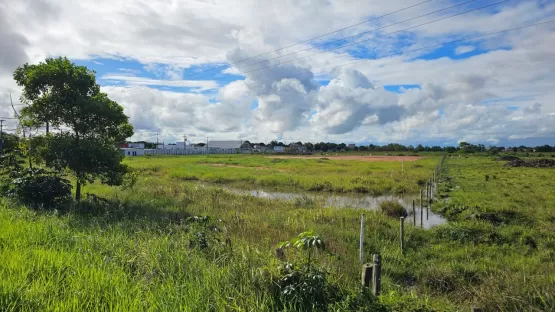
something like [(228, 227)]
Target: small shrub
[(303, 288), (38, 189), (204, 234), (393, 209)]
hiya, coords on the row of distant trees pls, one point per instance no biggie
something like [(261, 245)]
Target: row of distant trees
[(463, 147), (395, 147)]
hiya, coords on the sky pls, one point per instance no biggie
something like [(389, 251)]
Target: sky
[(246, 69)]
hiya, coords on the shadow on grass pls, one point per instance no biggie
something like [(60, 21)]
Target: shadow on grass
[(96, 211), (115, 210)]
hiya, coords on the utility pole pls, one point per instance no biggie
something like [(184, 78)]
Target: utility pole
[(1, 137), (156, 140)]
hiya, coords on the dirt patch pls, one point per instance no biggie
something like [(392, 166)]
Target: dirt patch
[(535, 163), (245, 167), (359, 158)]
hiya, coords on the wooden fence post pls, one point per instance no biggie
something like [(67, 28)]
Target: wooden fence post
[(421, 209), (366, 276), (413, 214), (377, 275), (362, 239), (403, 235), (430, 197), (427, 193)]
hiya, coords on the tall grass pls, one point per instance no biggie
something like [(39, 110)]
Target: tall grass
[(135, 252)]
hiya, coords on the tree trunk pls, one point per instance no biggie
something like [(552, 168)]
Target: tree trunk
[(78, 191)]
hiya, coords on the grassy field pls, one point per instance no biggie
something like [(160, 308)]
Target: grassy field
[(311, 174), (136, 251)]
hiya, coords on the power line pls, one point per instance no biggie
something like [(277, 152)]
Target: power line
[(363, 33), (385, 35), (445, 43), (307, 40)]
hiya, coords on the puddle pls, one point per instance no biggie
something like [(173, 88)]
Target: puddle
[(353, 201)]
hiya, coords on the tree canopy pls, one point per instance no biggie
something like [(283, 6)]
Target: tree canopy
[(66, 96)]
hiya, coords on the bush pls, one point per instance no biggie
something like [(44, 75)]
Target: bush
[(38, 189), (393, 209), (303, 288)]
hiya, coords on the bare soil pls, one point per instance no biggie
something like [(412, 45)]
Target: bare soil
[(359, 158)]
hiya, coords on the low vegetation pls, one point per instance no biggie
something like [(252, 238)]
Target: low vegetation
[(393, 208), (162, 243), (312, 174)]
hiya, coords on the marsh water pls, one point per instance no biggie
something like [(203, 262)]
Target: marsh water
[(331, 200)]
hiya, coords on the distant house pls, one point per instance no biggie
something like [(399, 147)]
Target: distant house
[(260, 148), (279, 149), (297, 148), (217, 147), (136, 145), (132, 151), (351, 146)]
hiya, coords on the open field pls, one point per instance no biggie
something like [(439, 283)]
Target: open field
[(354, 157), (314, 174), (136, 251)]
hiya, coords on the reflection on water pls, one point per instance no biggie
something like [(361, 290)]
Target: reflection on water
[(429, 219)]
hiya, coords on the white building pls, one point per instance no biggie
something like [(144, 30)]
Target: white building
[(134, 151), (136, 145), (180, 148), (229, 147), (177, 145)]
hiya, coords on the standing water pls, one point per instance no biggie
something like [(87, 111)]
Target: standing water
[(353, 201)]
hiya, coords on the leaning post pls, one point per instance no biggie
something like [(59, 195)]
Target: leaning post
[(377, 275)]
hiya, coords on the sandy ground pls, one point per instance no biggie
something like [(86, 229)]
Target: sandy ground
[(359, 158)]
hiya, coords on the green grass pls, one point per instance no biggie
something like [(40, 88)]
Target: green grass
[(135, 253), (315, 174)]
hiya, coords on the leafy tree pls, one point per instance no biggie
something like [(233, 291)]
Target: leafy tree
[(464, 145), (309, 146), (544, 149), (65, 95), (9, 142)]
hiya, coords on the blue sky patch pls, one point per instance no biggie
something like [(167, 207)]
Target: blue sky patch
[(399, 88), (254, 105)]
